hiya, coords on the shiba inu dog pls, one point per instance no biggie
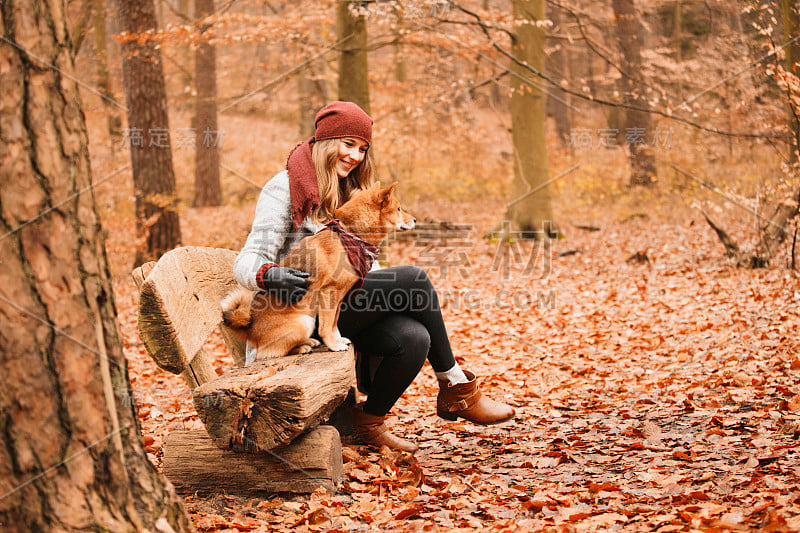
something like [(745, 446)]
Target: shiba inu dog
[(337, 257)]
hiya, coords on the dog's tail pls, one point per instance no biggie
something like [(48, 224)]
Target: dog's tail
[(236, 312)]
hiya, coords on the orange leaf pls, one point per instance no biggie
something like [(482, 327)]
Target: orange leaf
[(318, 516), (408, 512), (794, 403), (597, 487), (682, 455)]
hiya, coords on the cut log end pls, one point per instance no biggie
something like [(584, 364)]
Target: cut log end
[(268, 403)]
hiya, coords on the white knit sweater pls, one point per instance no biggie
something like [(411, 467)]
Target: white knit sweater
[(272, 235)]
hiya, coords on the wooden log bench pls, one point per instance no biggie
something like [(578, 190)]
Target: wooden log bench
[(265, 422)]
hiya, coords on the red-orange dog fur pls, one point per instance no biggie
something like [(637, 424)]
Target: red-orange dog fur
[(276, 328)]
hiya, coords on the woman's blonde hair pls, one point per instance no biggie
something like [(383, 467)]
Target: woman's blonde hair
[(324, 154)]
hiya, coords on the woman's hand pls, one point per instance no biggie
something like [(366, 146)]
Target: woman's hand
[(288, 284)]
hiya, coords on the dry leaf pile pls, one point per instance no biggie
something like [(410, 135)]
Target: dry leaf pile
[(653, 394)]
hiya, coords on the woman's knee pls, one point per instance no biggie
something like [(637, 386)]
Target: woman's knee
[(418, 340), (411, 340), (415, 288), (414, 276)]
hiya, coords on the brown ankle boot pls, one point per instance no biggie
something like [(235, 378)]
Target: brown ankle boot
[(465, 400), (370, 429)]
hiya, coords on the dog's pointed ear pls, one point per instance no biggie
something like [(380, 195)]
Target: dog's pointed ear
[(387, 193)]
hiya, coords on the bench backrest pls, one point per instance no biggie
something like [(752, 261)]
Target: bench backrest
[(179, 308)]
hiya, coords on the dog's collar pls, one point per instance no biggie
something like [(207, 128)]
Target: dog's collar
[(337, 226), (340, 227), (360, 253)]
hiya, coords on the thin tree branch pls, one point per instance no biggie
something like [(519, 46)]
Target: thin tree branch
[(593, 46), (666, 114), (731, 248), (487, 81), (174, 10), (467, 23)]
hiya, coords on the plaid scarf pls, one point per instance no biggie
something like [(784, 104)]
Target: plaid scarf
[(360, 253)]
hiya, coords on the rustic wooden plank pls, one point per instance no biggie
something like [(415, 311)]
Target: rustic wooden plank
[(194, 464), (199, 371), (235, 344), (270, 402), (139, 274), (179, 304)]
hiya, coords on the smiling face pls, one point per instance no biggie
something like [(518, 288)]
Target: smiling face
[(352, 152)]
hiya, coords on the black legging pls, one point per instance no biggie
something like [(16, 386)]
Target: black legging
[(395, 315)]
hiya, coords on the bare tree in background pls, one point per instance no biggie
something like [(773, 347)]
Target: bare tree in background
[(157, 223), (558, 65), (207, 188), (72, 457), (530, 211), (790, 19), (312, 95), (638, 124), (353, 70), (114, 121)]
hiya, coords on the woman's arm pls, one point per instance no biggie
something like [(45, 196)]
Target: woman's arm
[(272, 227)]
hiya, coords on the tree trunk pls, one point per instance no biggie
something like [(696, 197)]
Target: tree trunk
[(157, 223), (677, 41), (114, 121), (638, 124), (791, 27), (71, 456), (187, 82), (677, 34), (313, 93), (353, 79), (588, 58), (305, 100), (400, 65), (558, 102), (207, 189), (530, 211)]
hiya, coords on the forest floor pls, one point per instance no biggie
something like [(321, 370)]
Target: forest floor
[(652, 394), (656, 386)]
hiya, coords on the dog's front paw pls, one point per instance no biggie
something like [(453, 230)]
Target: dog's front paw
[(337, 346), (313, 342), (345, 340), (302, 349)]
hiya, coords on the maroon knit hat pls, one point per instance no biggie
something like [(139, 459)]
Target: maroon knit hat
[(343, 119)]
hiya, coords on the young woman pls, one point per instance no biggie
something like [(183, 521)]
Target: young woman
[(394, 319)]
